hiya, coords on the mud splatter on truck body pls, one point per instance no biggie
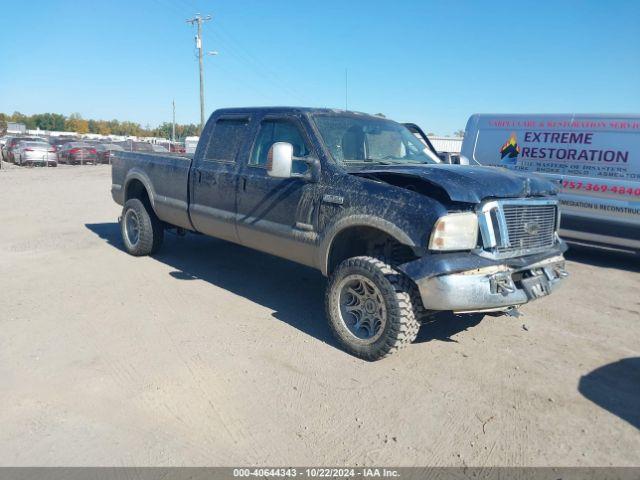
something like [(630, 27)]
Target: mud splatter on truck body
[(361, 199)]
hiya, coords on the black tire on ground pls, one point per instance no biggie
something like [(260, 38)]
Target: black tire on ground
[(142, 231), (400, 326)]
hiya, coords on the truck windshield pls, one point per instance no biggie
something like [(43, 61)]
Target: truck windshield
[(362, 141)]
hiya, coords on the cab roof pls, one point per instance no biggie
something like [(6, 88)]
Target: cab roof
[(267, 110)]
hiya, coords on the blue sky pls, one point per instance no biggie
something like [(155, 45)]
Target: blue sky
[(434, 63)]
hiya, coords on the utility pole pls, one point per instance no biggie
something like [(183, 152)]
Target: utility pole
[(173, 122), (198, 19)]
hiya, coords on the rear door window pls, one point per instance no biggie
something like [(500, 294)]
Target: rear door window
[(226, 139)]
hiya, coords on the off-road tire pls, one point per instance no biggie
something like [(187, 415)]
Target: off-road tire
[(401, 326), (150, 229)]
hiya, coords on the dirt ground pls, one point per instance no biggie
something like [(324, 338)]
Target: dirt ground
[(212, 354)]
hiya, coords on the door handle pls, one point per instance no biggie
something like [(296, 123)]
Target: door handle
[(244, 184), (199, 176)]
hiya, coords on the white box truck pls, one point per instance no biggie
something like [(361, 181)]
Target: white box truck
[(595, 160), (190, 144)]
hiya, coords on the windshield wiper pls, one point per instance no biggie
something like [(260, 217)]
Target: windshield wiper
[(378, 162), (370, 162), (395, 162)]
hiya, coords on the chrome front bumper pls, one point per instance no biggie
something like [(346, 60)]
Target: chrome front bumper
[(491, 288)]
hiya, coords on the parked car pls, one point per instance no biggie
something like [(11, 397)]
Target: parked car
[(159, 149), (104, 151), (78, 153), (3, 148), (35, 153), (133, 146), (58, 142), (142, 147), (177, 148), (13, 142), (594, 159), (358, 197)]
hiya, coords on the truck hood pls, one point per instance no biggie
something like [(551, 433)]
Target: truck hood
[(461, 183)]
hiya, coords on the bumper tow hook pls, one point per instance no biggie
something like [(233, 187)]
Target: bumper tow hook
[(502, 284)]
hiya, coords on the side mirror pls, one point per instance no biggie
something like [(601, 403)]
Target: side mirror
[(463, 160), (445, 157), (280, 160)]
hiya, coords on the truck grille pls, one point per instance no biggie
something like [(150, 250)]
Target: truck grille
[(529, 226), (516, 227)]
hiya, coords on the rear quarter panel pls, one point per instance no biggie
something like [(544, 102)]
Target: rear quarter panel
[(165, 177)]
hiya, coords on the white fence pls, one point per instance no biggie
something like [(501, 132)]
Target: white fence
[(446, 144)]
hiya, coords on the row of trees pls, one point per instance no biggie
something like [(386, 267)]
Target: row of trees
[(75, 123)]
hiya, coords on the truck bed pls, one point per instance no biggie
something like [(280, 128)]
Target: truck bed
[(165, 176)]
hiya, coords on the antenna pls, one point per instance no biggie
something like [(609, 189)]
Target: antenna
[(346, 89)]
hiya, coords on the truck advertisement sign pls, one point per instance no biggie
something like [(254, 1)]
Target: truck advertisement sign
[(594, 159), (578, 147)]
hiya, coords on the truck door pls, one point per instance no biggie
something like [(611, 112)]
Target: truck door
[(276, 215), (214, 178)]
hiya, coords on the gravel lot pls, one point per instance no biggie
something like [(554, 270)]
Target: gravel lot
[(212, 354)]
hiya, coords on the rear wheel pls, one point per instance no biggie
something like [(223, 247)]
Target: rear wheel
[(142, 231), (369, 308)]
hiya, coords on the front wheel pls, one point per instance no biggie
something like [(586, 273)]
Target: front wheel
[(142, 231), (369, 308)]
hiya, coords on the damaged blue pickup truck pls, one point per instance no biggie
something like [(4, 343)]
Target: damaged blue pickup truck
[(365, 201)]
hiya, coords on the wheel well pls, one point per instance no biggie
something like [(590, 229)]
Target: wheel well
[(136, 189), (356, 241)]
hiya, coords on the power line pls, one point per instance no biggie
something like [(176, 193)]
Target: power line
[(241, 54), (263, 70), (198, 20)]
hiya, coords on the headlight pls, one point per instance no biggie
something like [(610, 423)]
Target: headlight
[(456, 231)]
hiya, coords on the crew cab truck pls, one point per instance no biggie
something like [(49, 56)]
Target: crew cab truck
[(400, 235)]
